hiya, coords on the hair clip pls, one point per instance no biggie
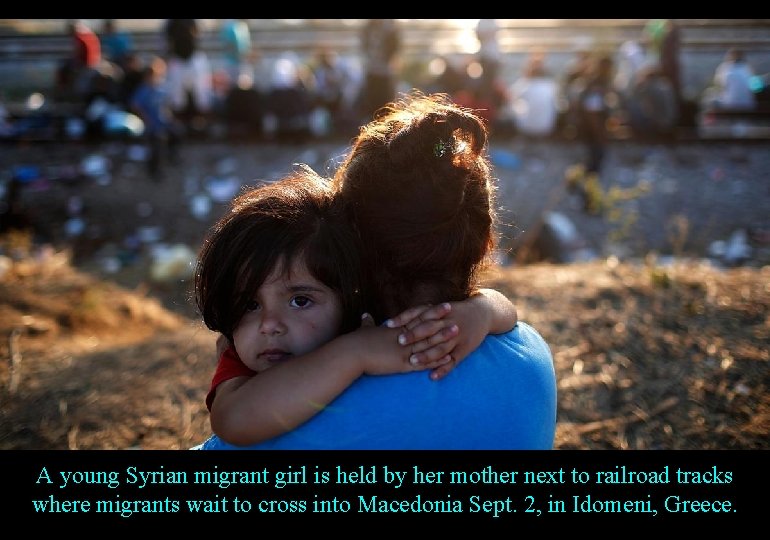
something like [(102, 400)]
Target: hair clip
[(441, 148)]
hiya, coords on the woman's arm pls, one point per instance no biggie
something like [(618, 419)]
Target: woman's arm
[(248, 410)]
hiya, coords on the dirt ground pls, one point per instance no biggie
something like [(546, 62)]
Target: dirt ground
[(649, 353)]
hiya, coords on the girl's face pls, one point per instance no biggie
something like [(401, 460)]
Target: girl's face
[(292, 313)]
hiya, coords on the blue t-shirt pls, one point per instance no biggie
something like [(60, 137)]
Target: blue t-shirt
[(501, 397)]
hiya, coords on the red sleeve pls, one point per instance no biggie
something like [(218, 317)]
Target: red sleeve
[(229, 367)]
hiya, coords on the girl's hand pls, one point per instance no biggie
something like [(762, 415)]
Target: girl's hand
[(379, 353), (431, 336)]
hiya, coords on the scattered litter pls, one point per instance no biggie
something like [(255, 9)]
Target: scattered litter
[(742, 389), (223, 189), (123, 123), (35, 101), (137, 152), (74, 227), (227, 166), (738, 248), (200, 206), (320, 122), (132, 242), (111, 265), (150, 234), (95, 165), (26, 173), (504, 159), (172, 263), (74, 128), (734, 251)]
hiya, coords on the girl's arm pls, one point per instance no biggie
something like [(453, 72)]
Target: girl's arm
[(248, 410), (486, 312)]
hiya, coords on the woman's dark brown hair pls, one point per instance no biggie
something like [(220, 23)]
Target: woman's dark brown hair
[(417, 186), (271, 225)]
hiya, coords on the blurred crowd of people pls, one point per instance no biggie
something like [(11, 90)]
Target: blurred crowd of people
[(178, 92)]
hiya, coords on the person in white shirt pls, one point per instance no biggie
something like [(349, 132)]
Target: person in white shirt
[(732, 84), (534, 100)]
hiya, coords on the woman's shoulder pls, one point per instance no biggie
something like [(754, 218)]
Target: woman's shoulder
[(523, 340)]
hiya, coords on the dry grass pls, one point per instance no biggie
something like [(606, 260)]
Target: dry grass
[(646, 357)]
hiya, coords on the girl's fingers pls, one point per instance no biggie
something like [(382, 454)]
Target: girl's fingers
[(443, 370), (405, 317), (416, 315), (433, 313), (435, 364), (436, 331), (434, 354), (443, 335)]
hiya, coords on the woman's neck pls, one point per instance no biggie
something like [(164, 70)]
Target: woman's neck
[(425, 293)]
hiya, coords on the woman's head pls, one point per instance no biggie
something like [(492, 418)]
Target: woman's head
[(272, 234), (417, 186)]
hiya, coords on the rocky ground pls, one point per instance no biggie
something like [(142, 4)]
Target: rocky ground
[(655, 345), (672, 199)]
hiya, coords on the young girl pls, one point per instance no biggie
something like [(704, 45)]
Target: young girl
[(279, 276)]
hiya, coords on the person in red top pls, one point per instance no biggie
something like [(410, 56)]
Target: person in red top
[(86, 49), (75, 75)]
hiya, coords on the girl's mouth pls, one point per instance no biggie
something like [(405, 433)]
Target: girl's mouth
[(274, 355)]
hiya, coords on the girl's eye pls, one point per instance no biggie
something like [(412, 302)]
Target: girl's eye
[(252, 305), (301, 301)]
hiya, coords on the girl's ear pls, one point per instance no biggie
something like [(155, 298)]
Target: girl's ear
[(367, 320), (222, 344)]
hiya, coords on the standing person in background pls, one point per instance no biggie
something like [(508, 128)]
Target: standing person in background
[(594, 105), (381, 43), (670, 66), (651, 105), (631, 60), (732, 84), (86, 49), (150, 103), (117, 44), (236, 41), (330, 78), (663, 39), (534, 99), (595, 102), (489, 47), (189, 73), (571, 85), (76, 73)]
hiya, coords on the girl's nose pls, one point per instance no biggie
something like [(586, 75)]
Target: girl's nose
[(271, 324)]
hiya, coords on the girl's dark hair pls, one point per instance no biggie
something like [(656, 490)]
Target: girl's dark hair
[(276, 223), (417, 185)]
